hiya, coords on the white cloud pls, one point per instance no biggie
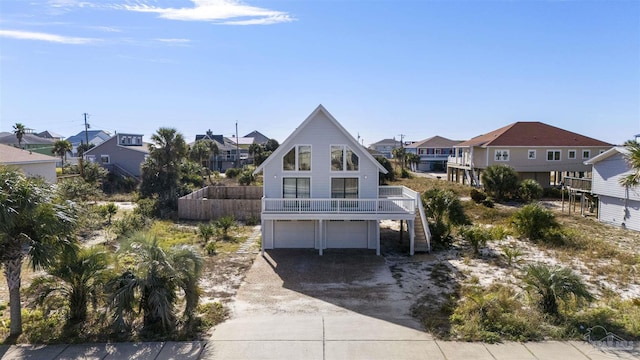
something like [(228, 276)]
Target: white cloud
[(218, 11), (177, 42), (28, 35)]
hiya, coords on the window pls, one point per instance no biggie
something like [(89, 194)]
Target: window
[(297, 159), (296, 188), (344, 188), (586, 154), (502, 155), (553, 155), (531, 154), (571, 154), (123, 140), (343, 159), (105, 159)]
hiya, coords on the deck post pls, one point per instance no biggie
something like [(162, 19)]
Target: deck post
[(378, 237), (321, 237)]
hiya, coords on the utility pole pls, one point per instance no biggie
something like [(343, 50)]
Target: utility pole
[(237, 147), (402, 147), (86, 128)]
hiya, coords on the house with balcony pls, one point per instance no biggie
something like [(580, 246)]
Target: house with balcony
[(228, 150), (433, 152), (534, 149), (122, 154), (618, 205), (321, 191)]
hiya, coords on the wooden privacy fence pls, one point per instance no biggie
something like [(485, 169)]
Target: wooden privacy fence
[(212, 202)]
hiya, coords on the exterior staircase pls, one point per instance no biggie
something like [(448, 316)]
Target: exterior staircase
[(422, 237)]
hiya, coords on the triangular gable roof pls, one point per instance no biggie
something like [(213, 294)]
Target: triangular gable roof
[(258, 137), (286, 145), (392, 142), (10, 155), (607, 154), (435, 142), (144, 148), (532, 133), (91, 134)]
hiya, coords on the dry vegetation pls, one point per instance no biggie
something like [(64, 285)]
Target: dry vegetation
[(462, 295)]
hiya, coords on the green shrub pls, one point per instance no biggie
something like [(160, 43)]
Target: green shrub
[(210, 248), (405, 174), (211, 314), (500, 181), (494, 314), (206, 231), (252, 221), (530, 190), (476, 236), (149, 207), (533, 221), (225, 223), (512, 255), (130, 223), (488, 202), (444, 210), (552, 285), (232, 173), (246, 177), (477, 196)]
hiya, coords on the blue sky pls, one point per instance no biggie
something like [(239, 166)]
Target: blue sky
[(381, 67)]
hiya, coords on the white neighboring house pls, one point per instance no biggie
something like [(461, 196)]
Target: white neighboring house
[(617, 204), (31, 163), (321, 191)]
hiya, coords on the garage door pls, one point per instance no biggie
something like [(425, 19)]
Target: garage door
[(294, 234), (347, 234)]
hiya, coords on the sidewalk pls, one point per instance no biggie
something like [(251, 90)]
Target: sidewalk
[(318, 337)]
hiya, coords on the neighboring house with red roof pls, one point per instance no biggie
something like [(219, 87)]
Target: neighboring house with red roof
[(434, 152), (31, 163), (534, 149), (122, 154)]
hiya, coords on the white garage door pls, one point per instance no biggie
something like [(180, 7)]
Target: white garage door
[(347, 234), (294, 234)]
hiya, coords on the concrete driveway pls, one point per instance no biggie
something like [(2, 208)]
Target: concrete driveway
[(295, 304)]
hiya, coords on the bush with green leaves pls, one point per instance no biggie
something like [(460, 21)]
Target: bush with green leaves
[(512, 255), (444, 210), (108, 210), (534, 222), (130, 223), (500, 181), (225, 223), (77, 189), (232, 173), (206, 231), (530, 190), (211, 247), (494, 314), (152, 286), (476, 236), (246, 177), (552, 285), (478, 196), (148, 207)]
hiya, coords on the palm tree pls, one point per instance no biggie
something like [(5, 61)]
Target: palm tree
[(553, 284), (445, 210), (256, 151), (500, 181), (19, 130), (152, 285), (633, 158), (215, 150), (79, 276), (33, 224), (200, 152), (61, 148), (161, 171)]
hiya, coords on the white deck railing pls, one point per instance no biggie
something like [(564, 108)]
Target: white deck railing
[(369, 206)]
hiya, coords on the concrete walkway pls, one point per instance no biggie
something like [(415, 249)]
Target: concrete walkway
[(301, 337)]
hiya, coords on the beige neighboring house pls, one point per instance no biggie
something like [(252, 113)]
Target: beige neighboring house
[(534, 149), (31, 163)]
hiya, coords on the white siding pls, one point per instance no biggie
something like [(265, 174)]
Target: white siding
[(613, 211), (321, 134), (44, 170), (606, 178)]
